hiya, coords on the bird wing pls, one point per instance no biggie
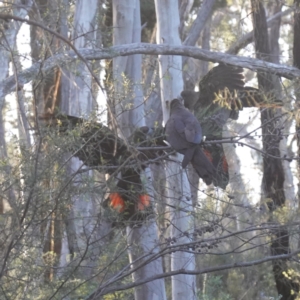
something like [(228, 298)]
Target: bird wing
[(178, 124), (187, 125), (218, 79), (183, 130), (189, 132), (193, 131), (175, 134)]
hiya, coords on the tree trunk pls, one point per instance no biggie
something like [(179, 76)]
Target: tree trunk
[(178, 191), (127, 29), (127, 73), (82, 226), (8, 39), (289, 191), (296, 57), (46, 98), (273, 174), (9, 204)]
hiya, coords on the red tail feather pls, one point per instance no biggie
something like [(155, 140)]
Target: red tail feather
[(208, 155), (224, 164), (117, 202), (144, 202)]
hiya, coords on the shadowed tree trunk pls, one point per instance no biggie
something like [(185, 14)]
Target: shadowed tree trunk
[(273, 174), (274, 34), (296, 56), (46, 91)]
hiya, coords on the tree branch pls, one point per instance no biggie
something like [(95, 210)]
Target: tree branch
[(248, 38), (198, 25), (99, 291), (65, 59)]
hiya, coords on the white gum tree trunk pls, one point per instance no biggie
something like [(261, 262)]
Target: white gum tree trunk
[(10, 33), (127, 29), (178, 190), (127, 72), (80, 227)]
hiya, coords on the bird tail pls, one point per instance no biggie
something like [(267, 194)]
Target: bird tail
[(215, 154), (117, 202), (188, 156), (203, 166)]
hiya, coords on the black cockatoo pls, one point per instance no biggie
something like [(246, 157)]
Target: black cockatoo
[(222, 93), (184, 134)]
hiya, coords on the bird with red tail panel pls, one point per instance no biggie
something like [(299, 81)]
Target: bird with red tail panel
[(184, 134), (128, 198), (222, 94)]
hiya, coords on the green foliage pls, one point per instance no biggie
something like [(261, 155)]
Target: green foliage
[(148, 18), (235, 280), (124, 295), (214, 290), (219, 4)]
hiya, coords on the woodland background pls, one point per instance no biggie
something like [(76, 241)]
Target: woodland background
[(78, 79)]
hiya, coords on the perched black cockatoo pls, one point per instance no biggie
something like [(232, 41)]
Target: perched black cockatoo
[(222, 93), (184, 134)]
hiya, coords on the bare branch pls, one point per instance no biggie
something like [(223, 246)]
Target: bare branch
[(198, 25), (99, 291), (64, 59), (248, 38)]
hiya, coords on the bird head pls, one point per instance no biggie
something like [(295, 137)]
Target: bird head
[(189, 98), (175, 103)]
